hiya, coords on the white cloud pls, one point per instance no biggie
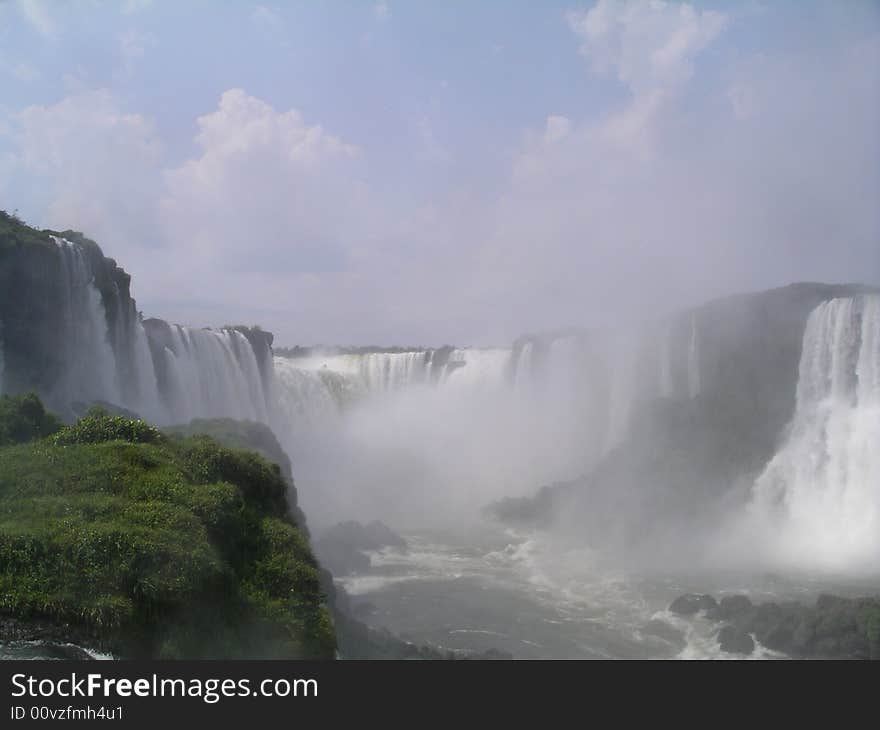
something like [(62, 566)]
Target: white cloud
[(557, 128), (707, 178), (97, 164), (650, 47), (269, 195), (37, 15), (647, 45), (662, 203)]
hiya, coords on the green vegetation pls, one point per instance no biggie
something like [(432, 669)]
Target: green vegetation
[(151, 545), (23, 418), (99, 426)]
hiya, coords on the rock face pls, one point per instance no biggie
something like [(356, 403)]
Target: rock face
[(835, 628), (731, 607), (691, 603), (343, 547), (70, 331), (41, 280), (694, 430), (734, 641)]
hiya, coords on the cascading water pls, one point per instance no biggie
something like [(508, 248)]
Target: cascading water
[(104, 353), (817, 504), (664, 369), (90, 372), (211, 374), (693, 363)]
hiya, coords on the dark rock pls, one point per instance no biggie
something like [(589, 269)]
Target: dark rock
[(363, 608), (735, 641), (694, 452), (835, 628), (731, 607), (691, 603), (343, 547)]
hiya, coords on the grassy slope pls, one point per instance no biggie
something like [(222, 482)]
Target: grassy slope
[(154, 546)]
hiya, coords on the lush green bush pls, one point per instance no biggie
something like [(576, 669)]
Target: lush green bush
[(148, 546), (23, 418), (98, 426)]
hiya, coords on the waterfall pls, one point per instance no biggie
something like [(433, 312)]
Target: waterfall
[(147, 400), (477, 368), (693, 362), (664, 370), (212, 374), (818, 500), (90, 371), (626, 389), (95, 348), (523, 366)]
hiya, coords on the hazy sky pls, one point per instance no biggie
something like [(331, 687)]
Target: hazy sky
[(430, 172)]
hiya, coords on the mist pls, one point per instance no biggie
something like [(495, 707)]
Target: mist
[(586, 314)]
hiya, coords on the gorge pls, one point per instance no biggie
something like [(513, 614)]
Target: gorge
[(736, 438)]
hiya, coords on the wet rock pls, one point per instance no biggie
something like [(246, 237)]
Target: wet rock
[(731, 607), (363, 608), (735, 641), (343, 548), (691, 603), (834, 628)]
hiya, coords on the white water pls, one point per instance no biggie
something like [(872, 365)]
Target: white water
[(693, 369), (90, 372), (539, 597), (212, 374), (427, 434), (817, 503)]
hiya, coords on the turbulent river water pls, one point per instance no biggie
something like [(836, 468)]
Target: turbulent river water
[(536, 598)]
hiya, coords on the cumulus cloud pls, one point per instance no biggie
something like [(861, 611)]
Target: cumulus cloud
[(268, 192), (649, 46), (681, 195), (709, 173), (97, 165)]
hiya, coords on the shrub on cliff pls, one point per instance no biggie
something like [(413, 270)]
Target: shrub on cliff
[(23, 418), (151, 547), (98, 426)]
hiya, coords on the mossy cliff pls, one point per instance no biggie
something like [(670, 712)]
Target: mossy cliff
[(125, 538)]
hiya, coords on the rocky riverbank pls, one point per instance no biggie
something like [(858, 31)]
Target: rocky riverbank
[(833, 628)]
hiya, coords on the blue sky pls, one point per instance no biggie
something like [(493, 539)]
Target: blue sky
[(426, 172)]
